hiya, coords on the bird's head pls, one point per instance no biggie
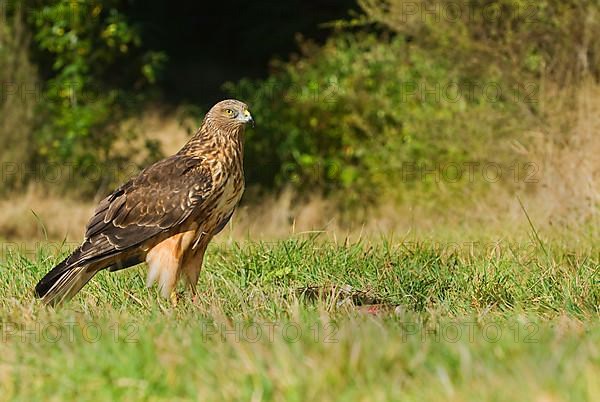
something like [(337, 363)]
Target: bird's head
[(230, 113)]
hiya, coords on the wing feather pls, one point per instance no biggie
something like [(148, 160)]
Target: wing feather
[(161, 197)]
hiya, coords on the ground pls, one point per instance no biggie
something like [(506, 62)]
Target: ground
[(311, 318)]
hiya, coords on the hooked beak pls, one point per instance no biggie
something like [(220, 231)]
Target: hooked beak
[(248, 118)]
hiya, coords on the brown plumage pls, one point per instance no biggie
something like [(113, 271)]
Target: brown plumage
[(166, 215)]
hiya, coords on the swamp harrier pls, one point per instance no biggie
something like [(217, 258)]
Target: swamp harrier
[(166, 215)]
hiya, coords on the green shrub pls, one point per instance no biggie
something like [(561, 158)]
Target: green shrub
[(366, 115), (393, 103), (98, 77), (518, 39)]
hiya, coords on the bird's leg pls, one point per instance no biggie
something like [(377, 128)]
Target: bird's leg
[(192, 266), (194, 292), (195, 298), (174, 298)]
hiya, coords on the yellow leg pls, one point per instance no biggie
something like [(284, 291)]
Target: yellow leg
[(174, 298)]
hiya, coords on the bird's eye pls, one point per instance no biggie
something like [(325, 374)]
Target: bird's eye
[(229, 112)]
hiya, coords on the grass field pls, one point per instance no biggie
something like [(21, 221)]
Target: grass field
[(312, 319)]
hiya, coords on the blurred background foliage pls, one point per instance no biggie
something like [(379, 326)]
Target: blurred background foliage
[(98, 76), (373, 94), (405, 88)]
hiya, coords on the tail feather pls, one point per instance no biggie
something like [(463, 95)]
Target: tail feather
[(68, 277), (63, 282)]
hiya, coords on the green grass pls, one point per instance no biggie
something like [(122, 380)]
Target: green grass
[(473, 323)]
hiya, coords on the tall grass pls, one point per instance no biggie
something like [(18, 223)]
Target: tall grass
[(510, 322)]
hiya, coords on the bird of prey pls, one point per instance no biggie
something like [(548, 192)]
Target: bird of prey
[(165, 216)]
